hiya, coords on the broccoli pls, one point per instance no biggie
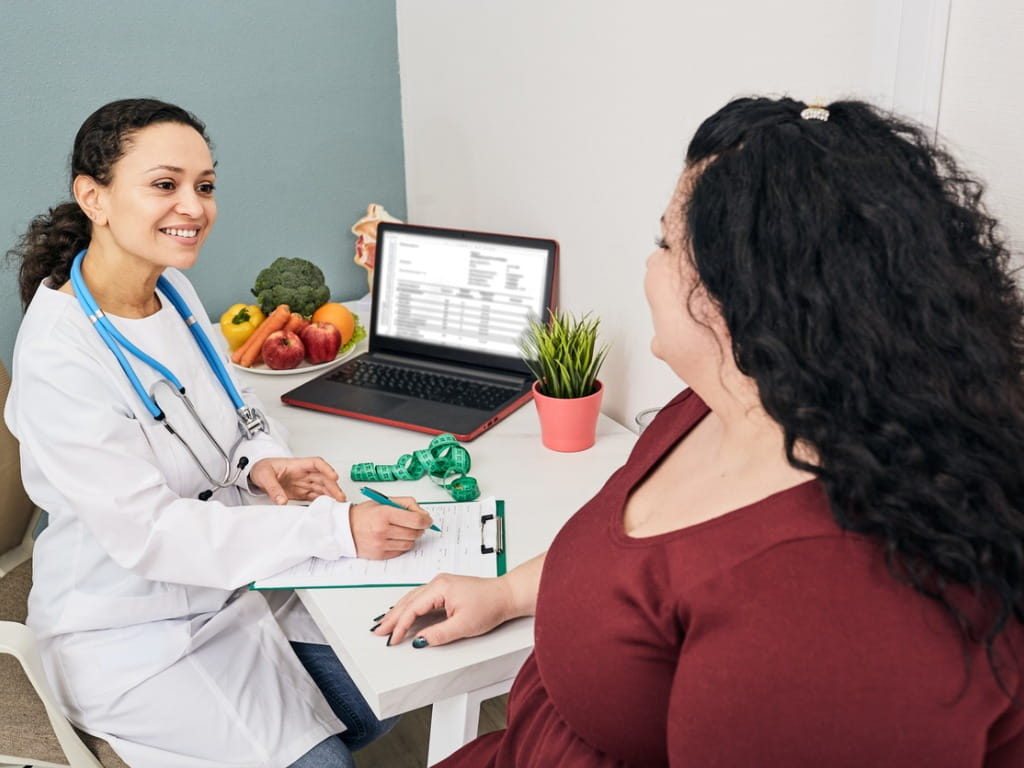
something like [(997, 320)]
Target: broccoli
[(295, 282)]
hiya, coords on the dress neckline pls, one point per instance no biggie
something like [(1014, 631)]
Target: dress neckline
[(672, 438)]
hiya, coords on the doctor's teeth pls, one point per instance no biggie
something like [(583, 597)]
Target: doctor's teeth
[(182, 232)]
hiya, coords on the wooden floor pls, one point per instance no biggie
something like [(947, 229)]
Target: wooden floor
[(406, 745)]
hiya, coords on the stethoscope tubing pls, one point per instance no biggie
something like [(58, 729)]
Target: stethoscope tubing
[(113, 337), (249, 419), (202, 340)]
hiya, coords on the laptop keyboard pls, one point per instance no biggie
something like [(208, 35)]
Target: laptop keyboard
[(436, 387)]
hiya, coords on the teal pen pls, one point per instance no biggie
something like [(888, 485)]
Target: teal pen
[(380, 498)]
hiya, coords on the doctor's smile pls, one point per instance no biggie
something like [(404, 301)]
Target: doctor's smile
[(180, 232)]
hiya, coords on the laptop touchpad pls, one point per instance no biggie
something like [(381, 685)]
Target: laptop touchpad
[(370, 401)]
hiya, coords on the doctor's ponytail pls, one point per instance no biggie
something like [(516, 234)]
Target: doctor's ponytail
[(49, 246)]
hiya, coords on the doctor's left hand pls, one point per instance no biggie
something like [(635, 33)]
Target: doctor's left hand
[(302, 479)]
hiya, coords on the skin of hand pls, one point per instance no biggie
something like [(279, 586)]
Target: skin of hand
[(472, 605), (381, 531), (303, 479)]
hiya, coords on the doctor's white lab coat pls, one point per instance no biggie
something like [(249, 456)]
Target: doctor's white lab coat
[(148, 632)]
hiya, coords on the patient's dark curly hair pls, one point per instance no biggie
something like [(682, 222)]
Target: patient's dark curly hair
[(870, 297), (48, 247)]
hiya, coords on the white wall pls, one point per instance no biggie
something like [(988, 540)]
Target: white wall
[(981, 113), (570, 120)]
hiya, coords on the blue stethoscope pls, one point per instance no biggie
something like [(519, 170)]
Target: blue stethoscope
[(250, 421)]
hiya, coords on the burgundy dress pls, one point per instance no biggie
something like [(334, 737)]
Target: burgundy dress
[(764, 637)]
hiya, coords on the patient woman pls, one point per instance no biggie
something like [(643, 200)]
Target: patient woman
[(815, 554)]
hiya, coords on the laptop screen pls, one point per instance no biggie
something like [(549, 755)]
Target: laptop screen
[(459, 291)]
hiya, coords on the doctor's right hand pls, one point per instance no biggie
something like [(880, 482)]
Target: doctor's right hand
[(381, 532)]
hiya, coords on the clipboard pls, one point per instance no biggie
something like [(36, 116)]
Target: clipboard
[(473, 546)]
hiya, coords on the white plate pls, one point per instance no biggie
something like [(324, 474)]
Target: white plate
[(303, 367)]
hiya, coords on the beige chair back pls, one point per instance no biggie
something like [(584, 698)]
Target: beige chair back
[(16, 510), (32, 729)]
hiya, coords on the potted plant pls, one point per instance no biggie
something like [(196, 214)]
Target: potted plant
[(565, 357)]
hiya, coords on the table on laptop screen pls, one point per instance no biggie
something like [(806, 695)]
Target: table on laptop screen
[(466, 294)]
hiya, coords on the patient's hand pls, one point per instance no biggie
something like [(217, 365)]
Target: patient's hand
[(472, 605)]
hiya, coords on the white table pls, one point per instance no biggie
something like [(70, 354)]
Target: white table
[(541, 489)]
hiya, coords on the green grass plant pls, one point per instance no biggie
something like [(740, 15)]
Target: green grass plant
[(563, 353)]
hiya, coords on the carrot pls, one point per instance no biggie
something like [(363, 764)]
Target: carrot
[(296, 323), (249, 352)]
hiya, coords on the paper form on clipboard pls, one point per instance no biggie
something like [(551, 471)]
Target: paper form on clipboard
[(471, 543)]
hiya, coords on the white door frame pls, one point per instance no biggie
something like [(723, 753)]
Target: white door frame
[(909, 57)]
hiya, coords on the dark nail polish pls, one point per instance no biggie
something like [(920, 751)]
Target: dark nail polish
[(378, 618), (375, 626), (420, 642), (388, 643)]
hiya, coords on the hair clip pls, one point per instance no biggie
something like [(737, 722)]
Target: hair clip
[(815, 112)]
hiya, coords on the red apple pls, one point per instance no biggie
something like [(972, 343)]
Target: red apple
[(283, 350), (322, 342)]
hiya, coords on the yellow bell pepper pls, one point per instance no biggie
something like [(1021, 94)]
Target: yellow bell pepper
[(238, 323)]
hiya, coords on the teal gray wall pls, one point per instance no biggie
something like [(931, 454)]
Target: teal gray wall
[(301, 100)]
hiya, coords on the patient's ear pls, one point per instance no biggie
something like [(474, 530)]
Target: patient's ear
[(89, 196), (706, 311)]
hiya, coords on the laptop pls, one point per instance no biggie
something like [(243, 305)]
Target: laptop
[(448, 309)]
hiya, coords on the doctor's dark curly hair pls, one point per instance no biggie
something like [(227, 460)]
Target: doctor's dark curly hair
[(869, 295), (48, 247)]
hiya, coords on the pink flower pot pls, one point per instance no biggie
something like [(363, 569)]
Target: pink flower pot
[(568, 424)]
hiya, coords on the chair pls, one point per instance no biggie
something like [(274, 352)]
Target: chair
[(32, 728)]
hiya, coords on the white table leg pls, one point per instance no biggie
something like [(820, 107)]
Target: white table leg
[(454, 721)]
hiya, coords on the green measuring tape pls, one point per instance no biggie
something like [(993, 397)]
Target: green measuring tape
[(445, 461)]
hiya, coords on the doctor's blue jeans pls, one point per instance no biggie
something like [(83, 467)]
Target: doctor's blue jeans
[(348, 704)]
